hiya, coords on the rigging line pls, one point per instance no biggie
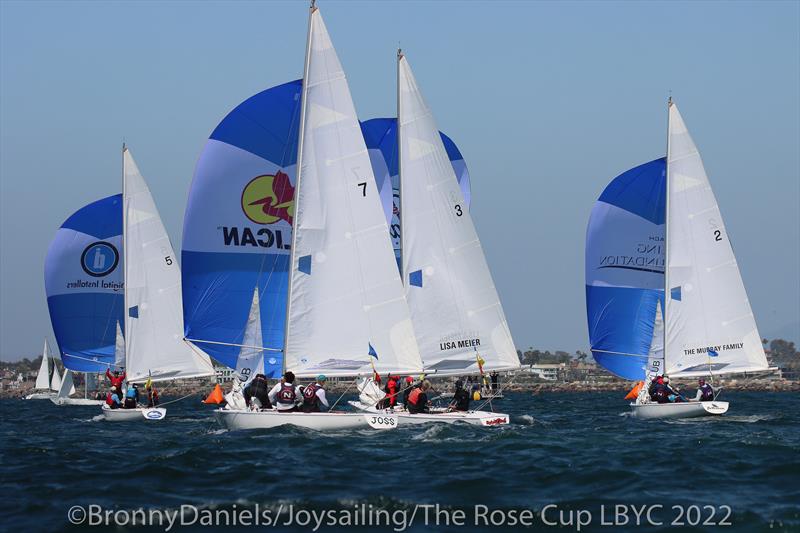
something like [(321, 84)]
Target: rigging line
[(93, 361), (342, 396), (200, 341), (500, 390)]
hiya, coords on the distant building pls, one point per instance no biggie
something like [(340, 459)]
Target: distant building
[(549, 372), (224, 374)]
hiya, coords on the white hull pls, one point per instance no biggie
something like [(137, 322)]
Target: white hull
[(239, 419), (679, 410), (477, 418), (129, 415), (76, 401), (41, 396)]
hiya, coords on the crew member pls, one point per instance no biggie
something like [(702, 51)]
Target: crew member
[(418, 398), (495, 378), (407, 390), (112, 398), (152, 395), (391, 389), (131, 396), (116, 380), (705, 393), (672, 395), (314, 395), (256, 393), (284, 395), (460, 398)]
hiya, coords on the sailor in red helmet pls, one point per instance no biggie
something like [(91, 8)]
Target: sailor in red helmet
[(409, 385)]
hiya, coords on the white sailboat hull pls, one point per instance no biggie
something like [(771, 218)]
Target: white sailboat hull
[(76, 401), (136, 414), (243, 419), (679, 410), (476, 418), (41, 396)]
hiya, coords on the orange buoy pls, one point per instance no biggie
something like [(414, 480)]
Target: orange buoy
[(215, 396)]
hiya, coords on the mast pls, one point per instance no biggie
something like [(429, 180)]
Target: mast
[(124, 253), (295, 224), (400, 176), (667, 294)]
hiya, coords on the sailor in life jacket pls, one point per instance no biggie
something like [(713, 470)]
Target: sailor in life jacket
[(418, 398), (705, 393), (314, 395), (284, 395)]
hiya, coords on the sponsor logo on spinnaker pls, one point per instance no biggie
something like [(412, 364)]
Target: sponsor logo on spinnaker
[(99, 259), (266, 199)]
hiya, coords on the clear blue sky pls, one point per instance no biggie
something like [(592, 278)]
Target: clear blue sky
[(547, 102)]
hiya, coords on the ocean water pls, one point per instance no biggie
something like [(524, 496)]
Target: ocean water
[(565, 459)]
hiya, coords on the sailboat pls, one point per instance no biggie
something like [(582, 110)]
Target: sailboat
[(664, 292), (346, 314), (155, 349), (458, 319), (43, 384)]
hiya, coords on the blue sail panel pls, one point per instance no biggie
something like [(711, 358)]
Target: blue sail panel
[(380, 135), (237, 228), (84, 285), (625, 268)]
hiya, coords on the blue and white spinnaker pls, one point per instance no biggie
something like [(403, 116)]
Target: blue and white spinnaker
[(84, 285)]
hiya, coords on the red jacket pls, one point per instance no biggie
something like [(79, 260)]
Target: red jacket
[(391, 390), (116, 381)]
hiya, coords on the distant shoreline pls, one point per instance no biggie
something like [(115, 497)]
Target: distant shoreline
[(202, 388)]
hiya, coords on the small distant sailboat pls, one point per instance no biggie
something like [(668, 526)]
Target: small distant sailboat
[(155, 349), (44, 387), (664, 292), (458, 319), (346, 314)]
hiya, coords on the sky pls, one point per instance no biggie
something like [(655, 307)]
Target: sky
[(547, 101)]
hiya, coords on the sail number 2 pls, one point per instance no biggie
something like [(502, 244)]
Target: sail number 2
[(715, 229)]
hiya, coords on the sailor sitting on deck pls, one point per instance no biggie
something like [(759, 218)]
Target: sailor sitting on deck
[(131, 397), (152, 394), (657, 390), (314, 395), (392, 390), (418, 398), (408, 388), (672, 395), (460, 398), (705, 393), (256, 393), (284, 395), (112, 398)]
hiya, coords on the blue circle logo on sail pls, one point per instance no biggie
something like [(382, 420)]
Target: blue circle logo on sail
[(99, 259)]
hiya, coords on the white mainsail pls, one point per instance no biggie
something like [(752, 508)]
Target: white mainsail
[(709, 322), (43, 377), (345, 297), (251, 355), (119, 348), (454, 305), (67, 387), (154, 344), (55, 381)]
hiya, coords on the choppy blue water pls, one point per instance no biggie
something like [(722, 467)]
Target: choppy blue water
[(563, 453)]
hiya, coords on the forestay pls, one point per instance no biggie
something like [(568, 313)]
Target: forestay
[(710, 325), (154, 344), (84, 284), (454, 304), (346, 296)]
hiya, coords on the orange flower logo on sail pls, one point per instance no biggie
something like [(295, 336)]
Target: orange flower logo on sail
[(268, 199)]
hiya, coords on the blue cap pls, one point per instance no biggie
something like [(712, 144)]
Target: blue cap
[(322, 377)]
